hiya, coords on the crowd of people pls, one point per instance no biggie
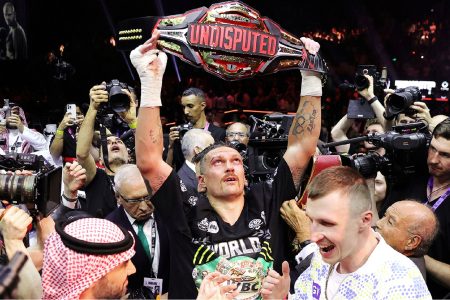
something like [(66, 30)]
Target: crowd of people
[(174, 214)]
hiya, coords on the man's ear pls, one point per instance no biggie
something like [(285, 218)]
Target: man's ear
[(201, 187), (413, 242), (197, 150), (203, 104), (366, 219)]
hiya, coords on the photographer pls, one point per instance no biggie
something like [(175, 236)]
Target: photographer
[(193, 101), (100, 198), (19, 138), (339, 131), (64, 142)]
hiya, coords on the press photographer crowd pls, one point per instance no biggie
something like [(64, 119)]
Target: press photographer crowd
[(120, 199)]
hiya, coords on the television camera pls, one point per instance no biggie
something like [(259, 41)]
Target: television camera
[(40, 191), (266, 146), (405, 145)]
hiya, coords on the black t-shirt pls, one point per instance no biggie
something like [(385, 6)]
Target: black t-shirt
[(100, 196), (246, 248)]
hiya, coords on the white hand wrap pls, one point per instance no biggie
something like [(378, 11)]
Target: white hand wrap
[(150, 66), (311, 84)]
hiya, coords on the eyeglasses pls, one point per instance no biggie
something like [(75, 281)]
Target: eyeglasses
[(147, 198), (239, 134)]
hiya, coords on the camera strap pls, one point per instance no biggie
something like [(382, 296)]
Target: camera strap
[(104, 145)]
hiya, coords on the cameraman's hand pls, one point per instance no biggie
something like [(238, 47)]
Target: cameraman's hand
[(129, 116), (14, 223), (387, 93), (368, 92), (174, 135), (14, 120), (423, 112), (66, 121), (98, 95), (74, 178)]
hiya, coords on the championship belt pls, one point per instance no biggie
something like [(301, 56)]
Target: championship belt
[(230, 40)]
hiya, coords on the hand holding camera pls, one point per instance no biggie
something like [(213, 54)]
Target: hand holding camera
[(98, 96), (14, 223)]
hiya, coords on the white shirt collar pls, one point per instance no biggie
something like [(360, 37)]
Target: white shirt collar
[(190, 165)]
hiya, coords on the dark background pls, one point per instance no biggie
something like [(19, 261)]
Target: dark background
[(85, 28)]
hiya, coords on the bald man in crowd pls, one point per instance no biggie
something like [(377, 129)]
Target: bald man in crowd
[(410, 228)]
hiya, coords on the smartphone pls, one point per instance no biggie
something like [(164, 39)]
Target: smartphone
[(72, 109)]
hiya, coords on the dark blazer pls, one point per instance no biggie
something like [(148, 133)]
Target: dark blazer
[(188, 176), (140, 259), (217, 133)]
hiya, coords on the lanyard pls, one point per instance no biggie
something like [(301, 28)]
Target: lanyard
[(442, 198), (206, 126)]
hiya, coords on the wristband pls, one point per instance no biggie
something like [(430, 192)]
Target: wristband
[(372, 100), (311, 84), (59, 132), (68, 199), (133, 124)]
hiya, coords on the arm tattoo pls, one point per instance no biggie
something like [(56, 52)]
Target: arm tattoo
[(304, 119), (155, 135)]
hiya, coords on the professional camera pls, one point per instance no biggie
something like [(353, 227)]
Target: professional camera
[(380, 81), (401, 100), (266, 146), (40, 191), (118, 100), (405, 146), (183, 128)]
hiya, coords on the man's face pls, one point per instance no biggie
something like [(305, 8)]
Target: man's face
[(224, 173), (237, 132), (393, 227), (116, 150), (404, 119), (380, 187), (373, 129), (193, 108), (114, 284), (439, 158), (136, 190), (333, 227), (9, 14)]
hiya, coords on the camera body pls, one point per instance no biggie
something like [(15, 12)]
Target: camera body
[(183, 128), (401, 100), (405, 146), (118, 100), (379, 78)]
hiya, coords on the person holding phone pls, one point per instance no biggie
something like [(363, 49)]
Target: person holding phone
[(16, 134), (64, 143)]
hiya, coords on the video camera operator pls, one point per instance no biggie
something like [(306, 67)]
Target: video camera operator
[(193, 101), (100, 197)]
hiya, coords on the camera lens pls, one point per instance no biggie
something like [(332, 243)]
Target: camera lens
[(118, 100)]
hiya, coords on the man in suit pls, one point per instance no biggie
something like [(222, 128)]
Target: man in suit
[(194, 141), (193, 101), (136, 214)]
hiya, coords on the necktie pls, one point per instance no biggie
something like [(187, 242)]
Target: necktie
[(143, 238)]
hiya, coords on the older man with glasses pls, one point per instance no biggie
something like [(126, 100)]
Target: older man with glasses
[(136, 214), (238, 132)]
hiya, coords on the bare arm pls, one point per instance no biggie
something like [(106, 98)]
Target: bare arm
[(377, 106), (339, 133), (305, 128), (98, 94), (438, 270), (150, 64), (56, 148)]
